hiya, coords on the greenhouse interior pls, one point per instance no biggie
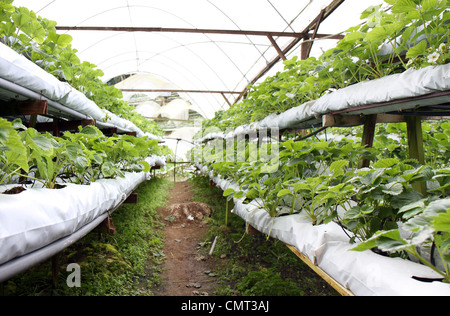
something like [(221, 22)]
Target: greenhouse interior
[(225, 148)]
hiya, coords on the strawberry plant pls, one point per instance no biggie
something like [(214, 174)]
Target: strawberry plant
[(13, 153), (413, 34), (430, 225), (80, 158)]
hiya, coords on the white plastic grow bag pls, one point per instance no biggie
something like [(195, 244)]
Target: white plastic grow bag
[(17, 69), (38, 217), (409, 84)]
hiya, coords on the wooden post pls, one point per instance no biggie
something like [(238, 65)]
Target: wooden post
[(55, 270), (415, 147), (226, 214), (368, 135)]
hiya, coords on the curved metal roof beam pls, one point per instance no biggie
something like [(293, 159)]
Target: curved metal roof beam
[(179, 45)]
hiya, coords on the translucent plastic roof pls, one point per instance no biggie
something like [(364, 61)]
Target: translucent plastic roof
[(194, 61)]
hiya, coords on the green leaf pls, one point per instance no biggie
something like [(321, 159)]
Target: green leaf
[(390, 240), (228, 192), (62, 40), (403, 6), (16, 152), (284, 192), (386, 163), (252, 194), (442, 222), (108, 169), (146, 165), (44, 143), (337, 166), (394, 188), (417, 50)]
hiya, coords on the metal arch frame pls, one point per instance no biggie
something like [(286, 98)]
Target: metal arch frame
[(304, 35), (175, 47), (169, 13), (182, 45)]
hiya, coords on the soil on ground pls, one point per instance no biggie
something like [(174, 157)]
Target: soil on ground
[(186, 271)]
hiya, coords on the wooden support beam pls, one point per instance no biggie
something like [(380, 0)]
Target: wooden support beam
[(39, 107), (132, 199), (226, 99), (337, 120), (107, 226), (250, 230), (307, 45), (336, 285), (190, 30), (109, 131), (58, 125), (415, 147), (55, 270), (368, 136), (306, 35), (277, 48), (130, 133), (56, 128), (113, 130)]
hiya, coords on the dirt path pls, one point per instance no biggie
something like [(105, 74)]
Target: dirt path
[(186, 272)]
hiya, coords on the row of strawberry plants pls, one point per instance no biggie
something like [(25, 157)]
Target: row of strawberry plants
[(36, 38), (82, 158), (413, 34), (323, 180)]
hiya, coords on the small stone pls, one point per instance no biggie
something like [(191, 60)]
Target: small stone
[(194, 285)]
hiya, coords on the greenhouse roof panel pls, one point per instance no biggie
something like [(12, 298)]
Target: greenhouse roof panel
[(194, 61)]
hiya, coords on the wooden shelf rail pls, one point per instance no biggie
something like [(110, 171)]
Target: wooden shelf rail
[(336, 285)]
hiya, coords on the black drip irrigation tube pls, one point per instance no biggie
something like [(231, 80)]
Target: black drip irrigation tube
[(312, 134)]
